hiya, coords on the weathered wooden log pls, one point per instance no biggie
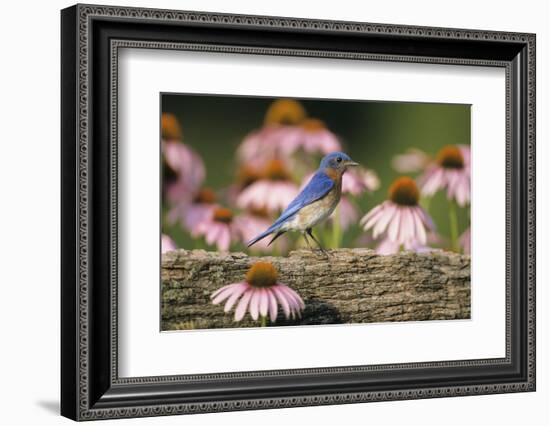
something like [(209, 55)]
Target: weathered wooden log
[(350, 286)]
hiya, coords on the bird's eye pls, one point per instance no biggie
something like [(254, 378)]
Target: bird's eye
[(339, 159)]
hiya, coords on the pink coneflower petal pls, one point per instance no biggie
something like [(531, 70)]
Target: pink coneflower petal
[(194, 214), (288, 139), (270, 195), (238, 291), (297, 297), (408, 228), (218, 291), (254, 307), (393, 228), (465, 241), (387, 246), (413, 160), (425, 218), (243, 304), (384, 212), (175, 213), (465, 150), (356, 181), (273, 308), (417, 247), (224, 239), (264, 302), (347, 213), (294, 301), (281, 297), (399, 221), (167, 244), (390, 210), (249, 225), (451, 173), (420, 231), (324, 141), (212, 232), (375, 211), (222, 294), (250, 147), (178, 191), (433, 181), (462, 191), (202, 228), (218, 228), (189, 168), (272, 140)]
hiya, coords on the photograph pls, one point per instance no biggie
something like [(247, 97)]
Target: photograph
[(354, 201), (295, 211)]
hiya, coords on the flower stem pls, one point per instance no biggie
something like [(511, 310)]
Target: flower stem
[(426, 203), (276, 251), (453, 221), (336, 229), (263, 321)]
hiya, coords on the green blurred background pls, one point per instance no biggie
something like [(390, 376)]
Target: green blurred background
[(372, 133)]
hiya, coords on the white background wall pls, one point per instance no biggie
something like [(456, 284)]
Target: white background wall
[(29, 214)]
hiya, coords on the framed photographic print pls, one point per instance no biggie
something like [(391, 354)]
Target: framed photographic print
[(263, 212)]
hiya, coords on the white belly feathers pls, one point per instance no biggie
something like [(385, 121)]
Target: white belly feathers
[(313, 213)]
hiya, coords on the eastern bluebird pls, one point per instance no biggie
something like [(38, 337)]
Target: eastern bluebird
[(315, 203)]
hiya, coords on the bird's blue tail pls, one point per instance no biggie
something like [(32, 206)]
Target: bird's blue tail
[(264, 234)]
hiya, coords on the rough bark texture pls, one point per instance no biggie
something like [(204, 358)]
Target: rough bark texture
[(350, 286)]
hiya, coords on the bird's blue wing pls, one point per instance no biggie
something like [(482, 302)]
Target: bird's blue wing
[(319, 186)]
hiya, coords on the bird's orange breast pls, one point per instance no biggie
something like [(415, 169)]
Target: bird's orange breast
[(333, 174)]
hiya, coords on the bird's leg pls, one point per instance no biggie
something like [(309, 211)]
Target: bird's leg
[(310, 233), (307, 241)]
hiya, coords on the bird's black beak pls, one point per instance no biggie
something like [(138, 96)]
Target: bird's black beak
[(351, 163)]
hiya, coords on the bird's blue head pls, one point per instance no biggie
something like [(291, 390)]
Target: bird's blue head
[(337, 161)]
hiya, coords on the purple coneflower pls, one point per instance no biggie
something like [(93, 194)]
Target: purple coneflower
[(285, 112), (246, 175), (184, 169), (167, 244), (451, 171), (260, 294), (218, 228), (280, 121), (191, 212), (400, 219), (273, 192), (317, 138), (188, 169), (311, 136), (252, 223), (359, 180), (412, 161)]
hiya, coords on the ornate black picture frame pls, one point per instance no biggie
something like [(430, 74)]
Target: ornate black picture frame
[(91, 36)]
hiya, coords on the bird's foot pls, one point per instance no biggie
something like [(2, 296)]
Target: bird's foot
[(319, 246), (322, 252)]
